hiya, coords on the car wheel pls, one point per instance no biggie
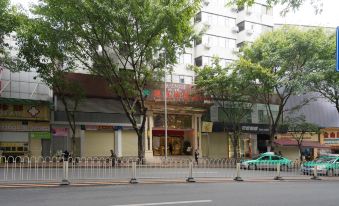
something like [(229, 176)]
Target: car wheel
[(330, 173), (252, 167)]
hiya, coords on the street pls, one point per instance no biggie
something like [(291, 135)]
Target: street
[(311, 193)]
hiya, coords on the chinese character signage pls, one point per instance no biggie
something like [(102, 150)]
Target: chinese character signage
[(177, 93), (15, 126), (207, 127), (24, 112)]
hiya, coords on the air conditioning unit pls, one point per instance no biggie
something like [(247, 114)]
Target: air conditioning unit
[(206, 2), (235, 29), (249, 31), (207, 46)]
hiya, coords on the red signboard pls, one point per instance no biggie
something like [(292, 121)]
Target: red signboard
[(177, 93)]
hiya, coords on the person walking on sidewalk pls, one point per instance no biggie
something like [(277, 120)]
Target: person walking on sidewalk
[(196, 156)]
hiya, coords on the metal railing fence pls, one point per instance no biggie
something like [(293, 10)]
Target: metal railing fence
[(54, 169)]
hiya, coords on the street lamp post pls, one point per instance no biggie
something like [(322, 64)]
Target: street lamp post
[(165, 109)]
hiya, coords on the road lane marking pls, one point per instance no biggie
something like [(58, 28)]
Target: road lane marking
[(168, 203)]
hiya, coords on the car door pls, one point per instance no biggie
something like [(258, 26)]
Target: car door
[(264, 162), (336, 167), (275, 160)]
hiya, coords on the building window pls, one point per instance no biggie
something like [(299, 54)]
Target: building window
[(197, 18), (198, 61), (325, 135), (241, 26), (181, 79)]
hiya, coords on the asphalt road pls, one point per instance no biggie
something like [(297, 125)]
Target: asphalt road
[(311, 193)]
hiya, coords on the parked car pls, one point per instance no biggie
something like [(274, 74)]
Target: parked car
[(267, 160), (326, 165)]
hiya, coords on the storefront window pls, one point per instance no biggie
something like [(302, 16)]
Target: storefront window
[(175, 146), (173, 121)]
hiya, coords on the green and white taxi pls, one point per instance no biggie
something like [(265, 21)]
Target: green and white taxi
[(326, 165), (267, 160)]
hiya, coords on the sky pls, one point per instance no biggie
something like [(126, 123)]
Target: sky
[(305, 15)]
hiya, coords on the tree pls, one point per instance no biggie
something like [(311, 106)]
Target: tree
[(298, 128), (288, 4), (323, 77), (9, 20), (41, 48), (119, 40), (230, 91), (278, 64)]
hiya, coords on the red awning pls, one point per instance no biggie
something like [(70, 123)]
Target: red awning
[(305, 143)]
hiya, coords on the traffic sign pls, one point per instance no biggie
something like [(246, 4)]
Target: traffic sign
[(337, 54)]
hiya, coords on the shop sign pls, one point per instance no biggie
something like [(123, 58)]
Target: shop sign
[(176, 92), (254, 129), (99, 127), (40, 135), (331, 140), (24, 112), (15, 126), (207, 127)]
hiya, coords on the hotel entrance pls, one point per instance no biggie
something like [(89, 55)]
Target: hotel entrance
[(180, 135), (179, 142)]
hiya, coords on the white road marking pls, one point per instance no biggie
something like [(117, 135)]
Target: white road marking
[(168, 203)]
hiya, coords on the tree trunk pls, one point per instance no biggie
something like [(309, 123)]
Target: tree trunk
[(141, 148), (300, 153)]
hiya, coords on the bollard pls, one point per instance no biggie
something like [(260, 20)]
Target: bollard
[(134, 173), (190, 173), (65, 180), (238, 178), (315, 174), (278, 177)]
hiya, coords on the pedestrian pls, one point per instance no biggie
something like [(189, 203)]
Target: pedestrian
[(196, 156), (65, 155), (171, 149), (113, 156), (279, 153)]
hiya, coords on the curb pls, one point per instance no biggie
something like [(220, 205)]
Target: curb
[(152, 181)]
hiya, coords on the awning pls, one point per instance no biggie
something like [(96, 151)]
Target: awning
[(305, 143), (14, 101)]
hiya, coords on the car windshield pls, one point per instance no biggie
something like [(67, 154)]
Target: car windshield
[(256, 157), (324, 159)]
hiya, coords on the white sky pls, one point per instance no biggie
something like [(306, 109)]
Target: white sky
[(304, 16)]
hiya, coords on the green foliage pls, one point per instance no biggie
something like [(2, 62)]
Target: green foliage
[(323, 77), (288, 4), (230, 91), (9, 20), (278, 63), (116, 39), (298, 127)]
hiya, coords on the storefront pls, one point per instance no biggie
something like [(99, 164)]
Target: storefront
[(219, 144), (184, 111), (330, 137), (311, 147), (24, 127)]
